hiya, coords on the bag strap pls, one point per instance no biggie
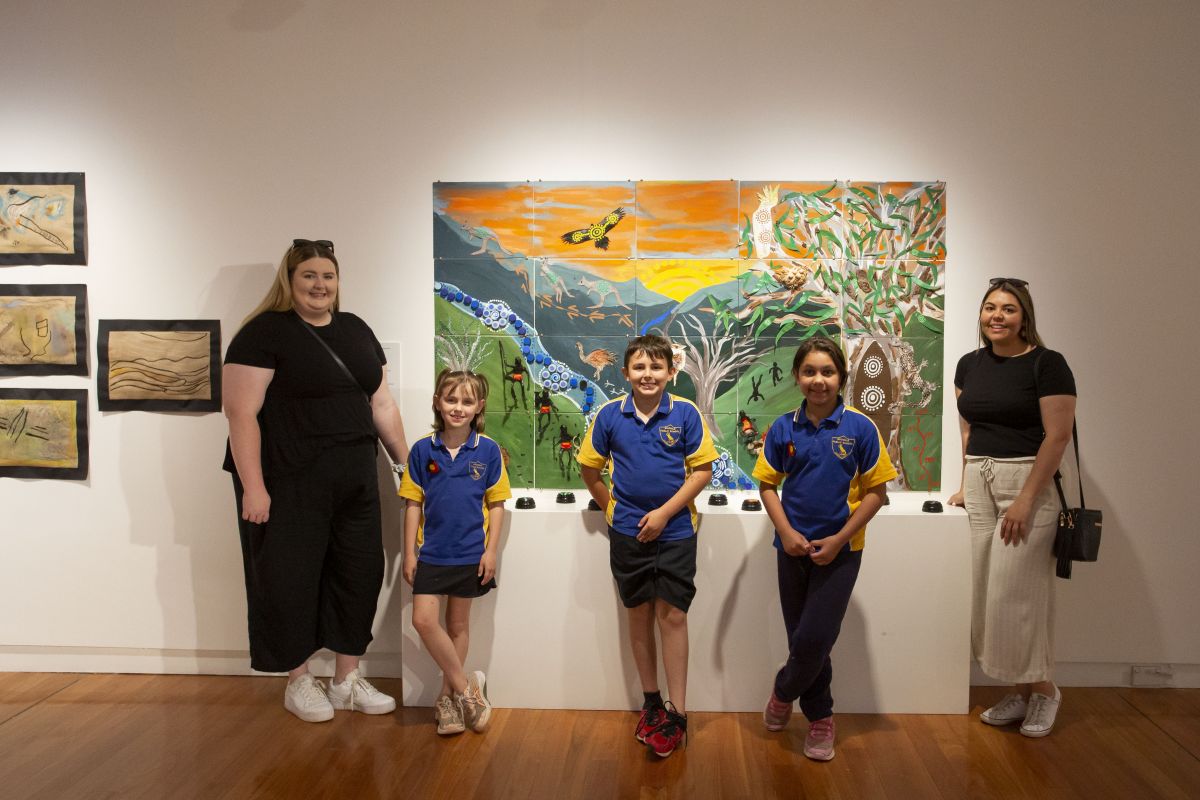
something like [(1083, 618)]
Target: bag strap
[(1074, 439), (1078, 469), (333, 355)]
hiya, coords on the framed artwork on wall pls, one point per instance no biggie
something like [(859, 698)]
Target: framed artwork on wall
[(539, 287), (43, 329), (159, 365), (43, 218), (43, 433)]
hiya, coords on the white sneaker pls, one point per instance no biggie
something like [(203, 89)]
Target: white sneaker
[(1009, 710), (305, 697), (357, 694), (1042, 712)]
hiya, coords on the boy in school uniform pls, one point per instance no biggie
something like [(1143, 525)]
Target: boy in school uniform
[(661, 456)]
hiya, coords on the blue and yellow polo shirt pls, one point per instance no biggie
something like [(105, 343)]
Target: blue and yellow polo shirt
[(454, 496), (650, 461), (823, 471)]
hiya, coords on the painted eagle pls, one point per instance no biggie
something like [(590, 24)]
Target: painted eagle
[(596, 232)]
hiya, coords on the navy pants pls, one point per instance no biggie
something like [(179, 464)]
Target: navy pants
[(814, 600), (314, 570)]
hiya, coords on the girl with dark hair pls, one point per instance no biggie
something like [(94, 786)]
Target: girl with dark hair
[(833, 467)]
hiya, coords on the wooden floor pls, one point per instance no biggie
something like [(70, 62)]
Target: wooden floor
[(158, 736)]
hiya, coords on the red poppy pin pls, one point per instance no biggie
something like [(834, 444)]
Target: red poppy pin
[(434, 469), (791, 449)]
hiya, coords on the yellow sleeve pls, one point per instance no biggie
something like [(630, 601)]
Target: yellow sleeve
[(589, 453)]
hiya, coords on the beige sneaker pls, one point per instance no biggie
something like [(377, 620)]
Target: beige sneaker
[(305, 697), (1012, 708), (1043, 711), (356, 693), (449, 716), (476, 710)]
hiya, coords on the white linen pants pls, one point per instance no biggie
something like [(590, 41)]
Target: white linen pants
[(1012, 615)]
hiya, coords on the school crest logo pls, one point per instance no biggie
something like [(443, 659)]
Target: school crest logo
[(843, 446), (478, 470), (669, 434)]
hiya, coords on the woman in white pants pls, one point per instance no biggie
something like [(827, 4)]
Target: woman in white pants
[(1016, 405)]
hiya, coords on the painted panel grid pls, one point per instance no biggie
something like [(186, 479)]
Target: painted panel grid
[(539, 287)]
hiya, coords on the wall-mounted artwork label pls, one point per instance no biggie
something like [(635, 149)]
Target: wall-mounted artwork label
[(159, 365), (43, 218), (43, 329), (539, 287), (43, 433)]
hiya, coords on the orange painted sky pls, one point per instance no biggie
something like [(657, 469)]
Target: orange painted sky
[(504, 208), (687, 218), (563, 207)]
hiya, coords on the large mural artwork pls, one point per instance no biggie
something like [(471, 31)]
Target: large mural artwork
[(539, 286)]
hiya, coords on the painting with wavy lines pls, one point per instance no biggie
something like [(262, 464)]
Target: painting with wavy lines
[(159, 365)]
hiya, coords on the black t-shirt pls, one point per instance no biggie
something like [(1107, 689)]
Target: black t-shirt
[(1000, 395), (310, 403)]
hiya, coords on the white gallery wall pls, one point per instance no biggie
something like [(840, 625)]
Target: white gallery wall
[(211, 134)]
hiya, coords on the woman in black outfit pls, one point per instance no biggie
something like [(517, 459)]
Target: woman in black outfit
[(303, 429), (1016, 403)]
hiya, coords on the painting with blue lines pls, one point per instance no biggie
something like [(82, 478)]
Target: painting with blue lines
[(539, 286)]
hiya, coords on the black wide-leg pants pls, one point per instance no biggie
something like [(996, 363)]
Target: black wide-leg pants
[(315, 568)]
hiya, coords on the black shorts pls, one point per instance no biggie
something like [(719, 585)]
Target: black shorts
[(645, 571), (456, 581)]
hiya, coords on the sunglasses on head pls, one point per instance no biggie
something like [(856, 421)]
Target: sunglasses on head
[(997, 281), (323, 243)]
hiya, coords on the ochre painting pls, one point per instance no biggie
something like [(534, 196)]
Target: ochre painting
[(43, 330), (42, 218), (43, 433), (157, 365), (539, 286)]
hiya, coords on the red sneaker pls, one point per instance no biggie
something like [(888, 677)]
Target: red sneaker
[(670, 732), (776, 714), (653, 715)]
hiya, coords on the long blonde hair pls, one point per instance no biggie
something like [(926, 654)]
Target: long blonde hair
[(449, 379), (279, 296)]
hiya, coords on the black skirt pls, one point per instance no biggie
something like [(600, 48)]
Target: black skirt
[(456, 581)]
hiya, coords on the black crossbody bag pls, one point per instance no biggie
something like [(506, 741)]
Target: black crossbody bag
[(1078, 536)]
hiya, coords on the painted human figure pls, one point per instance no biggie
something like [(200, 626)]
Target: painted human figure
[(514, 379), (756, 394), (545, 408), (776, 373), (565, 451)]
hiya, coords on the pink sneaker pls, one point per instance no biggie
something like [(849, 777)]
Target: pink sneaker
[(776, 714), (818, 744)]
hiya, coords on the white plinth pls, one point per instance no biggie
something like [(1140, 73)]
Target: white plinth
[(554, 635)]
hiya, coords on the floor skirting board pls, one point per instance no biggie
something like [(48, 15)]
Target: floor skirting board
[(151, 661)]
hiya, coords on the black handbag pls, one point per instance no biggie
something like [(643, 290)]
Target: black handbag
[(1078, 536)]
